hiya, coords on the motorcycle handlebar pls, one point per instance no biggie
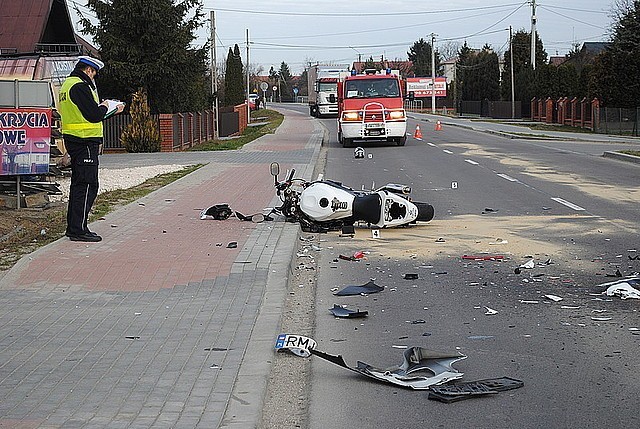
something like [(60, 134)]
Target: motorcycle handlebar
[(290, 176)]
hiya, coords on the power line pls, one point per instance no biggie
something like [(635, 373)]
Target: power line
[(481, 32), (379, 30), (356, 14), (571, 18), (574, 9)]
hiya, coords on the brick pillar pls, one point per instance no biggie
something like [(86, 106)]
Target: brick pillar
[(166, 132), (595, 114)]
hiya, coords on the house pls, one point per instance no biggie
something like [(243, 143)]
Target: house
[(37, 41), (40, 27)]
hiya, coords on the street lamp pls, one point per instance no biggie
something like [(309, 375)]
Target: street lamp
[(359, 54)]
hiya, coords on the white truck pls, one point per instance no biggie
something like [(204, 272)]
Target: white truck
[(322, 82)]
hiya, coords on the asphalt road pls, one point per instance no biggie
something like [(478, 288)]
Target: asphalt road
[(559, 203)]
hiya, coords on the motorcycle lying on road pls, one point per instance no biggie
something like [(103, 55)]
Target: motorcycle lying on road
[(325, 205)]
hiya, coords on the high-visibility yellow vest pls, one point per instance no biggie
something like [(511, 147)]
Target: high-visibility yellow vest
[(73, 123)]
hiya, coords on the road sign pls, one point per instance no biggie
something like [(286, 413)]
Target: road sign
[(275, 88), (295, 91), (264, 86)]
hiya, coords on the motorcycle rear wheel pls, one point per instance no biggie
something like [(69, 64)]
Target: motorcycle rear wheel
[(425, 211)]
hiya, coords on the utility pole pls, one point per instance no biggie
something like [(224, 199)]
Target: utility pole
[(214, 75), (533, 34), (433, 73), (247, 76), (513, 91)]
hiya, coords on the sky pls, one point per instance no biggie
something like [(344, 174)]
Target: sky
[(300, 32)]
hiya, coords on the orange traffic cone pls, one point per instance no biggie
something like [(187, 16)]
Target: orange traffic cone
[(417, 134), (438, 126)]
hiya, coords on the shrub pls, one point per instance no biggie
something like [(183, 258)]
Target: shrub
[(142, 134)]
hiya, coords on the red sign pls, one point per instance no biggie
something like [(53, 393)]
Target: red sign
[(25, 136), (423, 86)]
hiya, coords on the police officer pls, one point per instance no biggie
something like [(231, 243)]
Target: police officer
[(81, 117)]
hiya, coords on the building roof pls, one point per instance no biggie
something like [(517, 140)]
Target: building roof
[(594, 48), (36, 26), (557, 60)]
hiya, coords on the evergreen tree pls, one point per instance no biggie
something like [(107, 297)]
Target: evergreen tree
[(286, 86), (523, 71), (420, 55), (478, 74), (142, 134), (147, 44), (234, 89), (615, 79)]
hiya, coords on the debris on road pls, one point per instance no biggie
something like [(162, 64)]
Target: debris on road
[(420, 369), (216, 212), (490, 311), (411, 276), (483, 257), (528, 265), (459, 391), (625, 289), (553, 298), (367, 288), (340, 311), (299, 345)]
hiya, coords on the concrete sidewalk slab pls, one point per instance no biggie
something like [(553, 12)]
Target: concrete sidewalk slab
[(150, 327)]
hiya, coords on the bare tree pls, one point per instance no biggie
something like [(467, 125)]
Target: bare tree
[(449, 49)]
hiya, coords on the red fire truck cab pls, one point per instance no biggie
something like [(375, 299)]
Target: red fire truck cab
[(370, 108)]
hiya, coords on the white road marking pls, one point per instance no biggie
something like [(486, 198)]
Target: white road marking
[(431, 144), (567, 203), (507, 177), (470, 161), (447, 151)]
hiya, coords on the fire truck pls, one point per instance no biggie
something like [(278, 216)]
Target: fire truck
[(370, 108)]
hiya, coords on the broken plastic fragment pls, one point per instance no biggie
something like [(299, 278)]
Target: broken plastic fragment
[(299, 345), (420, 368), (601, 319), (359, 255), (459, 391), (528, 265), (625, 288), (340, 311), (490, 311), (367, 288)]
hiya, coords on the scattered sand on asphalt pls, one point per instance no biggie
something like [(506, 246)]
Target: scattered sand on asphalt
[(580, 182), (513, 236)]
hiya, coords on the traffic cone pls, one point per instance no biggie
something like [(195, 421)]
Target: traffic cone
[(417, 134), (438, 126)]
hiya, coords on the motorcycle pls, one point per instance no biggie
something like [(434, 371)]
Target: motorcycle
[(325, 205)]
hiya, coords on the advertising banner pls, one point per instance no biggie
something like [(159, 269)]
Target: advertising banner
[(25, 135), (423, 86)]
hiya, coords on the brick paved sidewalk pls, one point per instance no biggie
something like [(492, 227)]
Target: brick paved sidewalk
[(149, 327)]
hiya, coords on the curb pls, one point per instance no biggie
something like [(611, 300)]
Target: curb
[(244, 408), (622, 157)]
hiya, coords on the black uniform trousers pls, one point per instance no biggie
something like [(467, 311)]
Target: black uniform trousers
[(84, 184)]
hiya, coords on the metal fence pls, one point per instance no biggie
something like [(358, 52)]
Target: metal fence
[(490, 109), (615, 120)]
